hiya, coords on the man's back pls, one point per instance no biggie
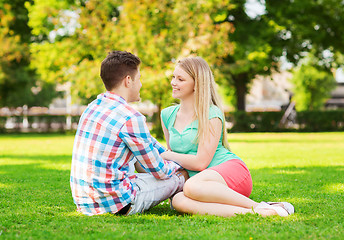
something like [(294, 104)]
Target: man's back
[(111, 138), (95, 176)]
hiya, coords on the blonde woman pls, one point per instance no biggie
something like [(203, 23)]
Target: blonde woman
[(220, 183)]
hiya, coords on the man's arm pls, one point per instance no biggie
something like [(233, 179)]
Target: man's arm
[(137, 138), (158, 145)]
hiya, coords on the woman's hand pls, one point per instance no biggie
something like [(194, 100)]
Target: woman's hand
[(166, 155)]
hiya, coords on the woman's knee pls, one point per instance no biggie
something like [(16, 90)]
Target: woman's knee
[(192, 188), (179, 202)]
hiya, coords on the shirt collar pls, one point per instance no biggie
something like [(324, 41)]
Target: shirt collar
[(114, 96)]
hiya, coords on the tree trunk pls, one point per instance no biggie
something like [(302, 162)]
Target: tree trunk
[(156, 120), (240, 84)]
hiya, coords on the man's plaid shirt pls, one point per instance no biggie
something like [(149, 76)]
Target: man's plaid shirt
[(111, 137)]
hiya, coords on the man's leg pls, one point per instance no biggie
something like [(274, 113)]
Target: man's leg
[(151, 191)]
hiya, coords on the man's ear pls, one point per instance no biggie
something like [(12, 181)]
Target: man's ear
[(127, 81)]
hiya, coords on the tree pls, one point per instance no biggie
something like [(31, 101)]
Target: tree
[(254, 50), (288, 29), (309, 26), (159, 32), (313, 35), (312, 85), (17, 79)]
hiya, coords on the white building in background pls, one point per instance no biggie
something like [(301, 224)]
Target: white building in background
[(272, 93), (337, 95), (269, 93)]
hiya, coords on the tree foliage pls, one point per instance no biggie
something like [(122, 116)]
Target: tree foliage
[(66, 40), (312, 36), (159, 32), (17, 79), (309, 26), (312, 85), (287, 28), (254, 52)]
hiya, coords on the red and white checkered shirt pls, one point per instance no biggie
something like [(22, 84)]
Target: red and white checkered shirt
[(111, 137)]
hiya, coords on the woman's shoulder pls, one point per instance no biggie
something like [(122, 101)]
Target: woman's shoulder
[(215, 111), (166, 113), (169, 110)]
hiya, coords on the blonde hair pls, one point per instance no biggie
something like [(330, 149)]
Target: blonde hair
[(205, 96)]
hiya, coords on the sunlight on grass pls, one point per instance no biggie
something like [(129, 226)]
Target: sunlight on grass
[(291, 172), (334, 188), (22, 161), (54, 166), (154, 216), (74, 214), (299, 200)]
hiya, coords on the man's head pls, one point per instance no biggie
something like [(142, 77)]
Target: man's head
[(117, 66)]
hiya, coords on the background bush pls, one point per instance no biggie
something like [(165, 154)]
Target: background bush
[(312, 121), (306, 121), (254, 121), (315, 121)]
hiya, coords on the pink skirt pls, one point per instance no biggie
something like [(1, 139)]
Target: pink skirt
[(236, 175)]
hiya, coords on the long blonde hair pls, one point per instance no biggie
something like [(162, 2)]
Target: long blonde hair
[(205, 96)]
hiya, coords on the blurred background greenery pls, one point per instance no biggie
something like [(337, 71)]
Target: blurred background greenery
[(46, 44)]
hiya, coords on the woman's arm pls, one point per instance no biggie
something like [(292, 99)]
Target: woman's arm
[(167, 135), (205, 151)]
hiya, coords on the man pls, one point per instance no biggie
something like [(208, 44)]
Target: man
[(112, 139)]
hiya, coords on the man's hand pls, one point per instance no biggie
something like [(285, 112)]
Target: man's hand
[(184, 173)]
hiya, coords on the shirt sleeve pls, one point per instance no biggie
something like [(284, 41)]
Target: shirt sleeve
[(166, 115), (216, 112), (137, 138), (158, 145), (163, 115)]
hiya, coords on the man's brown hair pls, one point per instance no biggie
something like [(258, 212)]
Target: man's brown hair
[(116, 66)]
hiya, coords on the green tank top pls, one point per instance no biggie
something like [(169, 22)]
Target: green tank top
[(185, 142)]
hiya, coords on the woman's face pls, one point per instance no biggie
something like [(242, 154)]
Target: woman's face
[(182, 84)]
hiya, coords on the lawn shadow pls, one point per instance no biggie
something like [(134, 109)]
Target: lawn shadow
[(37, 158)]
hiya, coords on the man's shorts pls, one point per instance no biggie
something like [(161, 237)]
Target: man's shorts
[(151, 191)]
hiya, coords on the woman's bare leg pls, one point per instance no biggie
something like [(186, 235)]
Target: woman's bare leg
[(209, 186), (186, 205)]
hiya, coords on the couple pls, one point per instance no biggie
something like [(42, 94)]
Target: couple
[(112, 141)]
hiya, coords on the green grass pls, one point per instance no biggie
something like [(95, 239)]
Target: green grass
[(306, 169)]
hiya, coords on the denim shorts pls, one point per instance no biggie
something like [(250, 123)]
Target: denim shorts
[(151, 191)]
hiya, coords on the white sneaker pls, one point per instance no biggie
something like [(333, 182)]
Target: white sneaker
[(279, 210), (287, 206)]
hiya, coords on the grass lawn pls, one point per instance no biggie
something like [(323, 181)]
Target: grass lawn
[(306, 169)]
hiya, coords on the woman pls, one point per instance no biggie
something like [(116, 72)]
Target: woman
[(220, 183)]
